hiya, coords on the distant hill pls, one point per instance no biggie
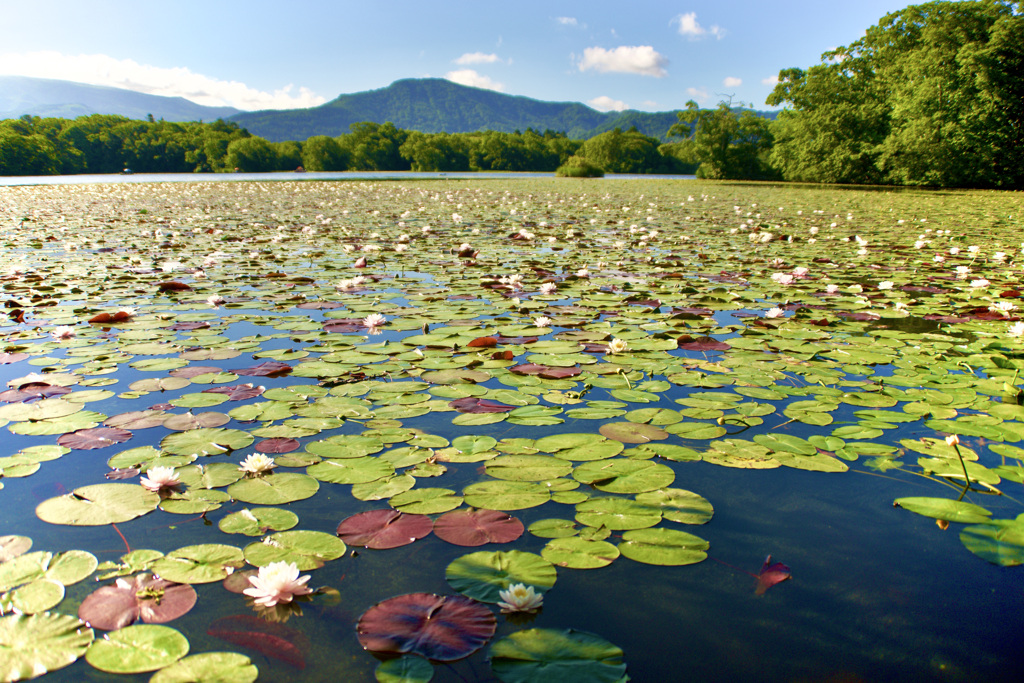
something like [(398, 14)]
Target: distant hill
[(433, 105), (20, 95)]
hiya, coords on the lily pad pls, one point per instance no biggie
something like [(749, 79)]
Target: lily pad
[(33, 645), (470, 528), (98, 504), (144, 597), (306, 549), (274, 489), (482, 575), (575, 552), (258, 521), (438, 627), (204, 563), (209, 667), (143, 647), (382, 529), (551, 656), (663, 546)]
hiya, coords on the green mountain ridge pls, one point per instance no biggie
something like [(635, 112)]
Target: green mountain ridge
[(434, 105)]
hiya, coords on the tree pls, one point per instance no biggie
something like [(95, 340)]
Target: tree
[(375, 147), (724, 143), (625, 152), (323, 153), (931, 95), (251, 155)]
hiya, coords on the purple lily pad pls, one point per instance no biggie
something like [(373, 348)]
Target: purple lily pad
[(191, 371), (189, 326), (688, 343), (97, 437), (32, 391), (278, 445), (438, 627), (145, 597), (383, 529), (771, 574), (270, 368), (471, 528), (238, 392), (7, 358), (471, 404)]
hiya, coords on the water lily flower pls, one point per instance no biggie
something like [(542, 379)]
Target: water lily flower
[(158, 478), (831, 289), (939, 258), (548, 288), (979, 283), (801, 272), (520, 598), (999, 256), (1016, 330), (962, 272), (774, 313), (973, 250), (257, 463), (582, 272), (617, 346), (215, 299), (952, 440), (813, 230), (954, 251), (783, 278), (542, 321), (856, 289), (374, 320), (1003, 307), (277, 582), (885, 284), (62, 332)]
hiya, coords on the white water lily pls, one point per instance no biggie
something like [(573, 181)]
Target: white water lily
[(520, 598), (158, 478), (257, 463), (774, 313), (277, 582), (1016, 330), (885, 284), (548, 288), (374, 320), (542, 321), (62, 332), (617, 346)]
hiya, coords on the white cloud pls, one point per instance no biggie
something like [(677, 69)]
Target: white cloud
[(771, 80), (154, 80), (641, 59), (699, 94), (691, 28), (567, 21), (478, 58), (732, 82), (605, 103), (474, 80)]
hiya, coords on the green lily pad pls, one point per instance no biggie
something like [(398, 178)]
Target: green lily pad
[(616, 514), (274, 489), (550, 656), (945, 508), (404, 669), (426, 501), (209, 667), (98, 504), (632, 432), (258, 521), (33, 645), (663, 546), (506, 495), (575, 552), (206, 441), (307, 549), (138, 648), (351, 470), (624, 476), (37, 596), (482, 575), (678, 505), (1001, 541), (204, 563)]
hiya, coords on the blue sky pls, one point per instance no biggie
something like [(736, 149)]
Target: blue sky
[(652, 56)]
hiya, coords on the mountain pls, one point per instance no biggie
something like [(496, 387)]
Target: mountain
[(433, 105), (20, 95)]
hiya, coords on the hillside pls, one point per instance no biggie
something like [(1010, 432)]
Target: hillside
[(434, 105), (20, 95)]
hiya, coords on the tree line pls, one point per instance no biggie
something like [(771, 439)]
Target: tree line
[(103, 143)]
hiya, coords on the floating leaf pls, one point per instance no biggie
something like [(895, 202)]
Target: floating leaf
[(771, 573), (98, 504), (258, 521), (215, 667), (134, 649), (147, 598), (550, 656), (579, 553), (631, 432), (476, 527), (306, 549), (98, 437), (663, 546), (31, 646), (204, 563), (274, 489), (441, 628), (482, 575), (945, 508), (382, 529)]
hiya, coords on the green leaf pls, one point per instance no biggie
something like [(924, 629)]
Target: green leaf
[(32, 645), (307, 549), (138, 648), (209, 667), (550, 656), (945, 508), (98, 504), (663, 546), (482, 575)]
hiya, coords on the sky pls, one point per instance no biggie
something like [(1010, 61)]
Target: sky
[(256, 54)]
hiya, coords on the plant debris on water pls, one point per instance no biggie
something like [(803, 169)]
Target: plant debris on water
[(206, 383)]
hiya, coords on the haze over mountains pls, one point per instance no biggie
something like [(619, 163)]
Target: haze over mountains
[(429, 105)]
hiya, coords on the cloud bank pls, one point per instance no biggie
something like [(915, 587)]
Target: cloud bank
[(689, 27), (154, 80), (477, 58), (605, 103), (473, 79), (639, 59)]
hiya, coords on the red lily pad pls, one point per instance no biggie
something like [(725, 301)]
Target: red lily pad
[(32, 391), (476, 527), (268, 638), (528, 369), (278, 445), (343, 325), (858, 316), (238, 392), (97, 437), (471, 404), (383, 529), (145, 597), (182, 327), (270, 368), (118, 317), (443, 628), (559, 373), (7, 358), (483, 342), (771, 574), (688, 343), (173, 286)]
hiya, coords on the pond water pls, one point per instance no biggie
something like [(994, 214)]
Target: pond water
[(800, 428)]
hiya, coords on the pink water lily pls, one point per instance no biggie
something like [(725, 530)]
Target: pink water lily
[(277, 582)]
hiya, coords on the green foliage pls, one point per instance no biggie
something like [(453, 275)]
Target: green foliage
[(375, 147), (930, 95), (629, 152), (323, 153), (579, 167), (252, 155), (725, 144)]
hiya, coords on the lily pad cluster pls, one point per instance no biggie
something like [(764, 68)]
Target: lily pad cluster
[(452, 359)]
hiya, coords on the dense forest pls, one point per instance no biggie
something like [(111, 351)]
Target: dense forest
[(931, 95)]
